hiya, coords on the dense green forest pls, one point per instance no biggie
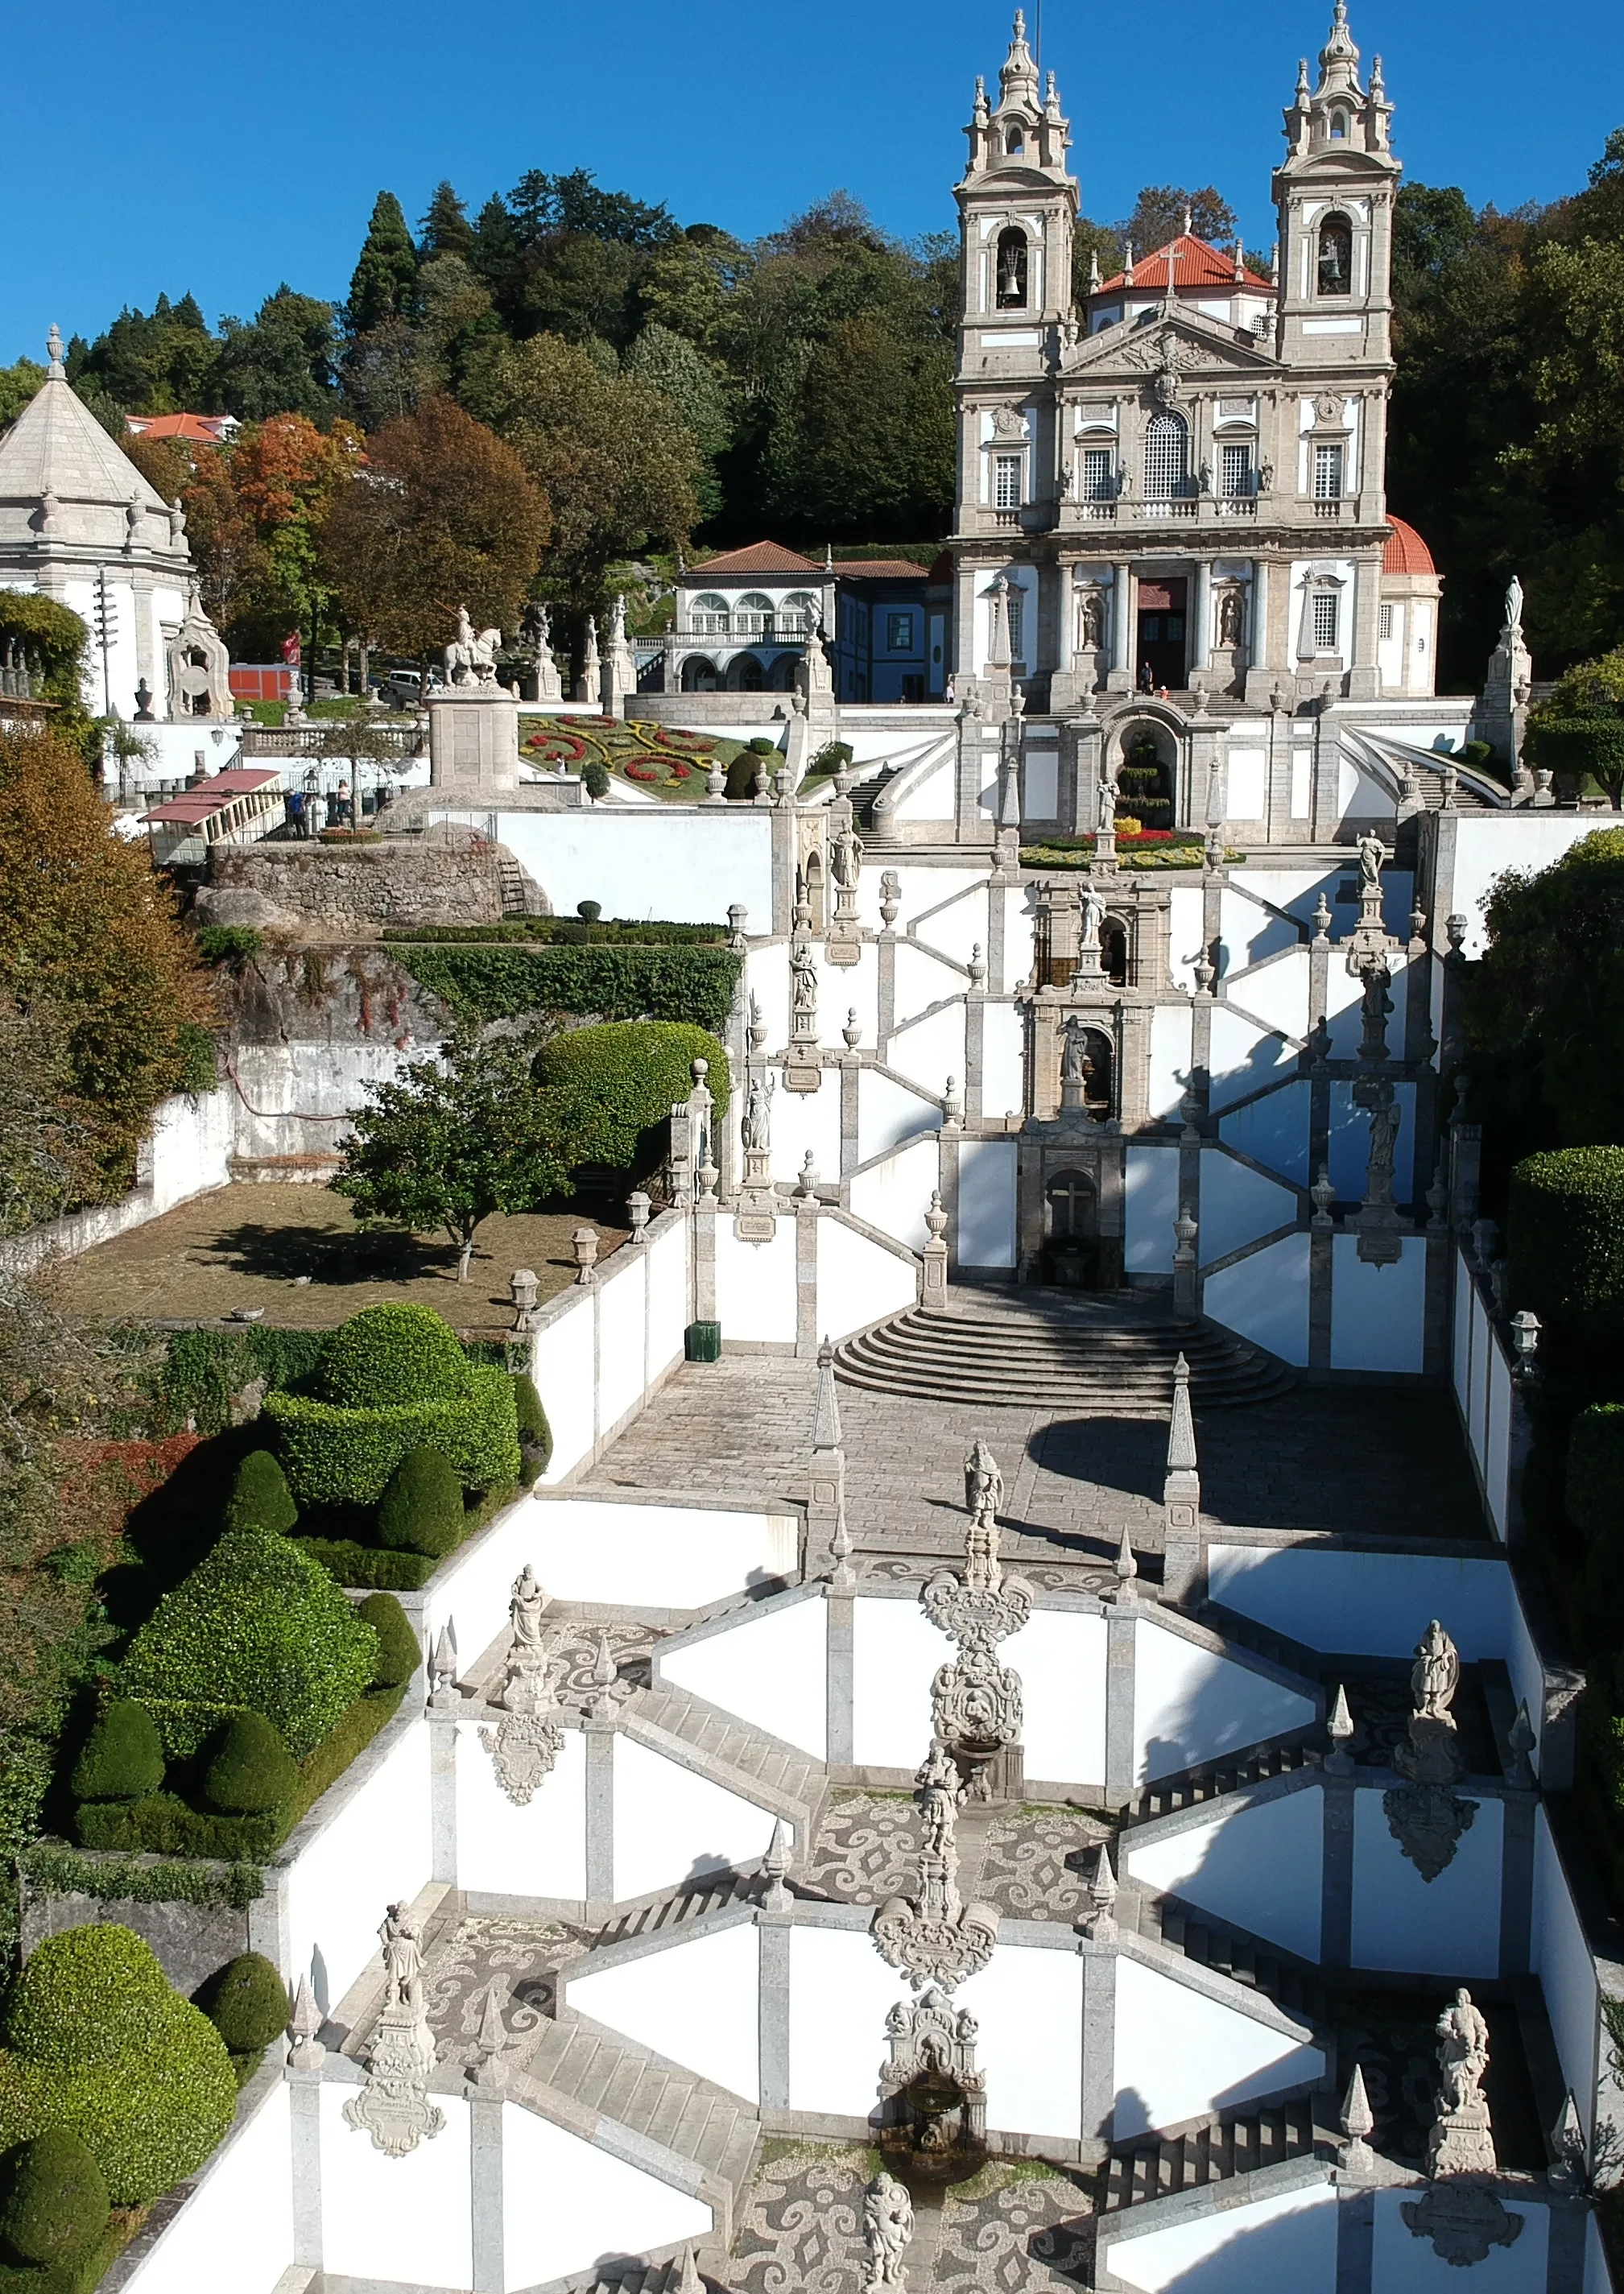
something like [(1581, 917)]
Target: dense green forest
[(664, 384)]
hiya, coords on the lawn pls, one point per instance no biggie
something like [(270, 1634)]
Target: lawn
[(298, 1253)]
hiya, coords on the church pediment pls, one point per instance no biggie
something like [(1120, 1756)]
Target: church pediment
[(1179, 345)]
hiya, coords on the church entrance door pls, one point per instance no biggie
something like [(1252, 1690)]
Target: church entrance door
[(1162, 622), (1072, 1248)]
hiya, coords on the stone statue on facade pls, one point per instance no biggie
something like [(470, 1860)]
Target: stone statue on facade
[(1514, 609), (392, 2106), (528, 1739), (846, 858), (1461, 2213), (887, 2227), (1372, 857), (803, 982), (936, 1788), (982, 1498), (932, 2094), (934, 1935), (757, 1126), (470, 658), (1073, 1058), (1427, 1816), (1230, 618), (1435, 1675), (1090, 621)]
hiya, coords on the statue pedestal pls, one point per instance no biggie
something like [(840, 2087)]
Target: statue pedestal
[(756, 1219), (844, 944), (474, 741)]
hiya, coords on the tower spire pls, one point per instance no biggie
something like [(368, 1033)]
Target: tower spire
[(1018, 80)]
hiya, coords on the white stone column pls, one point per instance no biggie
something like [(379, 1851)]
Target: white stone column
[(1201, 629), (1121, 604)]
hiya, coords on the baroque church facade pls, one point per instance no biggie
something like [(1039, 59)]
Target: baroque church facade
[(1171, 529)]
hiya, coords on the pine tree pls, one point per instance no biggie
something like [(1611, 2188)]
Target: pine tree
[(445, 229), (385, 271)]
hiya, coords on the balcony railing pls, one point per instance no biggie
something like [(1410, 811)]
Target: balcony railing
[(748, 628), (1330, 506), (1236, 506)]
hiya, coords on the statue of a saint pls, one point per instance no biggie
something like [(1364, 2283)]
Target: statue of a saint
[(888, 2226), (1463, 2053), (1107, 801), (846, 858), (803, 981), (1514, 608), (1093, 916), (1435, 1674), (757, 1105), (1230, 618), (402, 1945), (1372, 854), (983, 1486), (937, 1786), (1074, 1061), (526, 1611), (1090, 621)]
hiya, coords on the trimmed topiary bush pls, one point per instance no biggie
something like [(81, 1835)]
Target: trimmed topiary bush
[(386, 1356), (340, 1456), (122, 1757), (1595, 1491), (619, 1084), (246, 2004), (251, 1771), (398, 1654), (258, 1626), (55, 2206), (1566, 1245), (260, 1497), (421, 1510), (535, 1435), (97, 2044)]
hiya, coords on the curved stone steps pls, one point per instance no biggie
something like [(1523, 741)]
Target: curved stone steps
[(1085, 1368)]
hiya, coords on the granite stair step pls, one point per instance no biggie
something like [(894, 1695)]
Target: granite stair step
[(1291, 1982), (1192, 1787), (785, 1781), (712, 1892), (1157, 2167)]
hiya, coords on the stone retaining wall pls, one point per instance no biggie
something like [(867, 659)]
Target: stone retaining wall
[(444, 878)]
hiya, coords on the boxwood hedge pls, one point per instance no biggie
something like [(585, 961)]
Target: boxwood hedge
[(389, 1355), (610, 983), (1566, 1245), (620, 1082), (258, 1626), (335, 1455)]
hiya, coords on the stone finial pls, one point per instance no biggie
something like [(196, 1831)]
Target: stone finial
[(853, 1030), (1520, 1742), (1128, 1573), (1322, 1194), (757, 1030), (307, 2053), (55, 369), (977, 969), (1181, 1426), (1358, 2123), (1339, 1728), (826, 1412), (606, 1673), (1101, 1918), (443, 1696), (584, 1243), (1321, 921), (637, 1207), (843, 1577), (775, 1870), (690, 2282), (525, 1289), (953, 1106), (1525, 1328), (806, 1186), (491, 2071)]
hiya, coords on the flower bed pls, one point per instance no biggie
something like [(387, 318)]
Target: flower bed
[(658, 758), (1145, 848)]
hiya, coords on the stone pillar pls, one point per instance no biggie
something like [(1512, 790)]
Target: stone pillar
[(1120, 1625), (851, 1069), (1119, 677), (485, 2164), (933, 1295), (599, 1731), (442, 1732), (1184, 1555), (305, 2109), (773, 1931), (806, 1277), (473, 742), (1336, 1870), (839, 1662), (1099, 2046), (1201, 618)]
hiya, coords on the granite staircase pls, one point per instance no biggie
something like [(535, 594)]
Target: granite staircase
[(1292, 1983), (1157, 2167), (1191, 1787), (715, 1891), (1104, 1359), (608, 2076), (733, 1753)]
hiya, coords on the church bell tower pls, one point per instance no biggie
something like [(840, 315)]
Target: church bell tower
[(1334, 193)]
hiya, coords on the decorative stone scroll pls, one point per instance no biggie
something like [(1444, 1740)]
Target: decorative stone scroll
[(1427, 1817), (394, 2107), (976, 1702), (935, 1936), (530, 1735)]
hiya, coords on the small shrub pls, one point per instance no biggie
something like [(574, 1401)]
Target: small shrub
[(386, 1356), (122, 1757), (56, 2203), (165, 1824), (620, 1082), (336, 1456), (398, 1654), (421, 1510), (246, 2004), (1566, 1245), (535, 1435), (595, 778), (590, 909), (258, 1626), (1595, 1474), (260, 1497), (232, 944), (760, 746), (251, 1770), (97, 2044)]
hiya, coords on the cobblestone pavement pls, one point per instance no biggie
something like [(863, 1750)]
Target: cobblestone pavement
[(1016, 2230), (1371, 1459)]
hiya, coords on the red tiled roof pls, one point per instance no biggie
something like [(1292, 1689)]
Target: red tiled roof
[(212, 796), (196, 429), (879, 569), (1406, 552), (756, 557), (1198, 270)]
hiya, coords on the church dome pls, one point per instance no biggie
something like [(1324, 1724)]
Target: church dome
[(1406, 552)]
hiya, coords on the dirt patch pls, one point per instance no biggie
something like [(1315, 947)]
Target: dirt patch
[(297, 1252)]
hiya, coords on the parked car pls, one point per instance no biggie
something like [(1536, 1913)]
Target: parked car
[(405, 687)]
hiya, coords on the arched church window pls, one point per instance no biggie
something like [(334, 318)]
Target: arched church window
[(1166, 456), (1011, 269), (1335, 264), (1339, 126), (1014, 141)]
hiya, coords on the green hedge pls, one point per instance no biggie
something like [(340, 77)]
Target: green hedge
[(54, 2206), (250, 1769), (202, 1370), (535, 1435), (259, 1626), (122, 1757), (260, 1497), (1594, 1489), (110, 1880), (609, 983), (561, 931), (95, 2042), (388, 1355), (347, 1562), (338, 1456), (622, 1081), (398, 1654), (421, 1510), (1566, 1245)]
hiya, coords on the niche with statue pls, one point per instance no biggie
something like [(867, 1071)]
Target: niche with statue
[(1144, 784)]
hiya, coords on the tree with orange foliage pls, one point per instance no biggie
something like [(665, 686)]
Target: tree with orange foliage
[(255, 512), (443, 515), (103, 1002)]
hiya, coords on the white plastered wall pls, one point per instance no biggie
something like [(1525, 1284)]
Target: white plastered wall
[(695, 2003), (671, 1824), (540, 1850), (235, 2225), (769, 1669), (1191, 1704), (858, 1281), (1450, 1925), (1258, 1866), (1265, 1298), (1287, 2242), (378, 2223), (1180, 2054), (380, 1829), (565, 2203)]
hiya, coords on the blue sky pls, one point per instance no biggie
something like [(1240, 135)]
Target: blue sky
[(223, 149)]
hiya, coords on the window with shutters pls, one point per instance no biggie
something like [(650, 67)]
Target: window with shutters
[(1006, 481), (1328, 473), (1325, 621), (1099, 485), (1166, 456), (1236, 469)]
